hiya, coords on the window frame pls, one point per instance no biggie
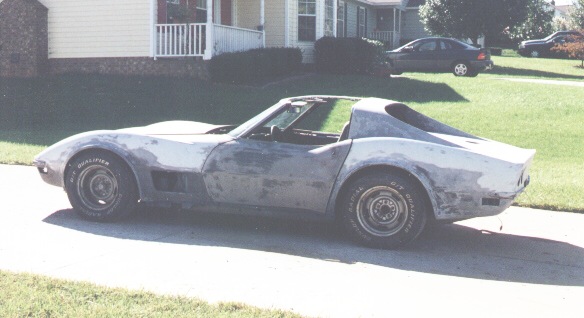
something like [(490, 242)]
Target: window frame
[(308, 16)]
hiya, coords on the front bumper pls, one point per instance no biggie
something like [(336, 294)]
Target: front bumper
[(48, 174)]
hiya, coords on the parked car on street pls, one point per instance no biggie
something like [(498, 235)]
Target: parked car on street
[(439, 55), (542, 47), (384, 174)]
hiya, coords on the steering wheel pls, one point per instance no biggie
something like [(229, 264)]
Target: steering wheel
[(275, 132)]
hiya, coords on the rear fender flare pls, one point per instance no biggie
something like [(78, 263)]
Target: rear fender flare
[(345, 178)]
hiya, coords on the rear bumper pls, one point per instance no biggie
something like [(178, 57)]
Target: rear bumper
[(482, 65)]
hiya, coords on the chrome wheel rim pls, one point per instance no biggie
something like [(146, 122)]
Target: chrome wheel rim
[(534, 54), (97, 187), (460, 69), (382, 211)]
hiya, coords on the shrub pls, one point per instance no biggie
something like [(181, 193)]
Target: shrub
[(346, 55), (573, 47), (254, 65)]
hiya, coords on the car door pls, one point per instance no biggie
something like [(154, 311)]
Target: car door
[(447, 52), (256, 171), (418, 57)]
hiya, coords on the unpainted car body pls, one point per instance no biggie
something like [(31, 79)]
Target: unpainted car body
[(388, 172), (437, 54)]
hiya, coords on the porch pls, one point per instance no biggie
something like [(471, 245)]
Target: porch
[(204, 28), (181, 40)]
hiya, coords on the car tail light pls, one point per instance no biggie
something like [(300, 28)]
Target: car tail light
[(481, 56)]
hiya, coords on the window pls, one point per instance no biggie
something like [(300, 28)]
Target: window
[(361, 22), (426, 46), (201, 14), (341, 19), (329, 14), (306, 20)]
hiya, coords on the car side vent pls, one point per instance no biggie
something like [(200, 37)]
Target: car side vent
[(491, 201), (169, 181)]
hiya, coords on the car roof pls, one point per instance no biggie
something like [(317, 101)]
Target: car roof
[(376, 117)]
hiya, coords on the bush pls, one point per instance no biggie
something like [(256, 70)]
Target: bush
[(346, 55), (254, 65)]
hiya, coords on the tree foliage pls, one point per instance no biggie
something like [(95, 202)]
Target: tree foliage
[(574, 47), (577, 14), (538, 23), (472, 18)]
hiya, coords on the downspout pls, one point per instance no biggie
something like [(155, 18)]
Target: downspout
[(153, 13), (209, 42), (335, 8), (286, 23), (263, 21)]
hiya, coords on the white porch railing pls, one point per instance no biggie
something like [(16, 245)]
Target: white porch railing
[(177, 40), (173, 40), (233, 39), (389, 37)]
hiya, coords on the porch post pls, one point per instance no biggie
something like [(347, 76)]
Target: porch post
[(394, 20), (263, 21), (209, 41), (335, 8)]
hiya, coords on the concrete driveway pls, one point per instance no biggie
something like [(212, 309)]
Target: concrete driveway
[(533, 266)]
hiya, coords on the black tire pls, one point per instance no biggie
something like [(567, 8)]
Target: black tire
[(101, 187), (461, 68), (472, 74), (383, 210)]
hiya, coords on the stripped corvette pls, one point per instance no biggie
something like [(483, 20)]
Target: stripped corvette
[(388, 172)]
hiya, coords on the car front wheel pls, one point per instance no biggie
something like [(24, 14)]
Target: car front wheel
[(100, 186), (461, 69), (534, 53), (383, 210)]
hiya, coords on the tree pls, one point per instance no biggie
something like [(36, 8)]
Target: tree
[(577, 14), (574, 47), (538, 24), (472, 18)]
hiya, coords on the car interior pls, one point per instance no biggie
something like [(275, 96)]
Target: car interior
[(305, 123)]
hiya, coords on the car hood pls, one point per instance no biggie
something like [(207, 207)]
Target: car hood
[(174, 127)]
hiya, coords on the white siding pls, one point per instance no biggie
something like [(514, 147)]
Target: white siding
[(412, 27), (275, 23), (103, 28), (248, 13)]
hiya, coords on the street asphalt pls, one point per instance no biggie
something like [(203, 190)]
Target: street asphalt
[(522, 263)]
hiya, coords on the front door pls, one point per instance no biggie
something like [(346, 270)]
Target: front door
[(274, 174)]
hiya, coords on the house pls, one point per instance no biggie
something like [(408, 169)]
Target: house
[(174, 37)]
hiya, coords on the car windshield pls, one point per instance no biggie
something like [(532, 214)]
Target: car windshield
[(254, 121)]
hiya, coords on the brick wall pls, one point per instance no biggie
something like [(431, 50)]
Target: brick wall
[(172, 67), (24, 50), (23, 38)]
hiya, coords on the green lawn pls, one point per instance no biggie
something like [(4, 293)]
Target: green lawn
[(547, 118), (25, 295)]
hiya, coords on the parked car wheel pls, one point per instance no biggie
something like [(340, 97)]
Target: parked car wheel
[(383, 210), (534, 53), (101, 187), (461, 69)]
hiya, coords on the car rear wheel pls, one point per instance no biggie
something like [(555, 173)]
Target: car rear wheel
[(383, 210), (461, 69), (534, 53), (101, 187)]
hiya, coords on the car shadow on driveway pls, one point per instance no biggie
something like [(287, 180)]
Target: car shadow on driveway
[(452, 250)]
